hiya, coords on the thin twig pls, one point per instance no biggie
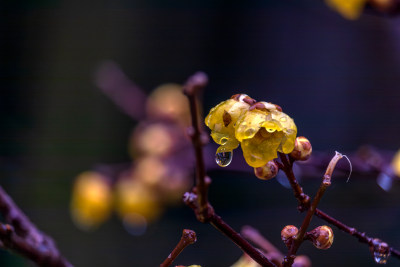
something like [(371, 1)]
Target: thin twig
[(188, 238), (326, 182), (255, 236), (21, 236), (190, 199), (271, 252), (197, 199), (191, 89), (302, 197), (242, 243), (361, 236)]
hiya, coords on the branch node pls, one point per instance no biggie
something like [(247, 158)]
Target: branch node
[(195, 82)]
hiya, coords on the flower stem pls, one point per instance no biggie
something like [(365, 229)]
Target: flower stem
[(302, 198), (326, 182), (255, 254), (255, 236), (287, 168), (191, 89), (21, 235), (188, 237)]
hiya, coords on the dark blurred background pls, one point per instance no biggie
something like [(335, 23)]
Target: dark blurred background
[(338, 79)]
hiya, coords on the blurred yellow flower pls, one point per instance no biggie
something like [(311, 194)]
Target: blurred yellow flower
[(91, 200), (245, 261), (168, 102), (133, 197), (396, 164), (350, 9)]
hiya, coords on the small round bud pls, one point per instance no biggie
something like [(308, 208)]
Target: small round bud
[(268, 171), (302, 149), (288, 233), (321, 237), (302, 261)]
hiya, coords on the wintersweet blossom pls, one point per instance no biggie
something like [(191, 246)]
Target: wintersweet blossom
[(263, 131), (261, 128), (222, 120)]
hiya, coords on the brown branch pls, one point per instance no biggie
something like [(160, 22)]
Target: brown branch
[(302, 198), (254, 236), (361, 236), (271, 252), (326, 182), (21, 236), (242, 243), (191, 200), (191, 89), (197, 199), (188, 238)]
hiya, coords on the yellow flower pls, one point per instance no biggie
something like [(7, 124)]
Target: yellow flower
[(222, 119), (264, 131), (91, 200), (350, 9), (261, 128), (245, 261), (396, 164)]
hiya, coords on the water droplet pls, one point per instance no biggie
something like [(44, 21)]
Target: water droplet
[(249, 132), (283, 119), (381, 258), (223, 158), (381, 251), (224, 140), (270, 130)]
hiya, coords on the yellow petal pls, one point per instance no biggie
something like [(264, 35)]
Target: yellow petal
[(221, 121), (250, 123), (262, 148)]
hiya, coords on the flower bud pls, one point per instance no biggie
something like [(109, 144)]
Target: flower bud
[(288, 233), (321, 237), (268, 171), (302, 261), (244, 99), (302, 149)]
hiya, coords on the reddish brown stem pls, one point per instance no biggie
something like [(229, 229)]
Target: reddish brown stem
[(191, 88), (301, 197), (362, 237), (21, 236), (242, 243), (197, 200), (188, 237), (190, 199), (255, 236), (326, 182)]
